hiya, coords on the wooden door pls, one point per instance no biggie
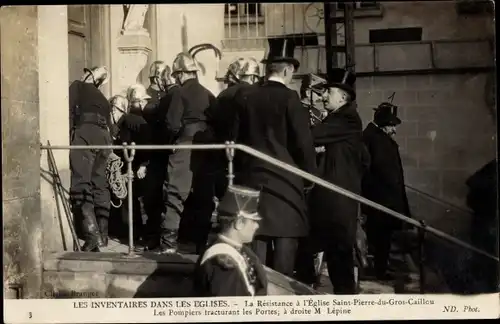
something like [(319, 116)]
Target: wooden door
[(79, 45)]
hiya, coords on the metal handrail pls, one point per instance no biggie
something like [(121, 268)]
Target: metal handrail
[(439, 201), (231, 146)]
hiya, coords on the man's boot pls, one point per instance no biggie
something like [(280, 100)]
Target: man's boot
[(103, 222), (92, 234), (168, 242)]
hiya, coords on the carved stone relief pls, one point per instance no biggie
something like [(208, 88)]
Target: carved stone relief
[(134, 16)]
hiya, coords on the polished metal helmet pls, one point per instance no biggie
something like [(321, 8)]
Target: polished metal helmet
[(242, 67), (157, 69), (98, 74), (184, 62), (119, 102), (137, 92)]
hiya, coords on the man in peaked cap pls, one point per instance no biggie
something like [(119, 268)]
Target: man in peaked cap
[(334, 216), (384, 184), (90, 122), (227, 267), (271, 119)]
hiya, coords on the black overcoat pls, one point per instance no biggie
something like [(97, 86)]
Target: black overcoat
[(384, 181), (271, 119), (343, 163)]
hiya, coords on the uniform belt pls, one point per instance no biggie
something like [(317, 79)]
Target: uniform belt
[(94, 119)]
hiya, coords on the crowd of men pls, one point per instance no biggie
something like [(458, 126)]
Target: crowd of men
[(281, 220)]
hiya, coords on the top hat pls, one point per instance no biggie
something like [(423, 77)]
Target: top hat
[(342, 79), (281, 50), (386, 114), (239, 201)]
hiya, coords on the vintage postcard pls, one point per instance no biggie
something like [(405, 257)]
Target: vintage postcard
[(230, 162)]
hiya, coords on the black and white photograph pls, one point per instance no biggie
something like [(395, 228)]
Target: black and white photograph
[(203, 150)]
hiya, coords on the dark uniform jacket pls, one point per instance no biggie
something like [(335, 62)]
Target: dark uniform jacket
[(220, 275), (221, 116), (134, 128), (384, 181), (149, 111), (272, 120), (89, 106), (221, 119), (157, 119), (185, 115), (343, 163)]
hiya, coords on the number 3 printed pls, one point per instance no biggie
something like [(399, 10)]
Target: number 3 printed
[(30, 315)]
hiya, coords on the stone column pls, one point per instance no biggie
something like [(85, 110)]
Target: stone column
[(134, 45), (189, 25), (54, 122), (20, 150)]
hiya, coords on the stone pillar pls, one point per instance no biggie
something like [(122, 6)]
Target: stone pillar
[(188, 25), (134, 45), (20, 149), (54, 123)]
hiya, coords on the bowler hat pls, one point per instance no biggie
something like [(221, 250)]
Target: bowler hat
[(386, 114), (239, 201), (342, 79), (281, 50)]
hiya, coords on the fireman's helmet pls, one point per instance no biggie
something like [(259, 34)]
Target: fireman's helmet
[(98, 74), (137, 92), (157, 69), (119, 102), (243, 67), (184, 62)]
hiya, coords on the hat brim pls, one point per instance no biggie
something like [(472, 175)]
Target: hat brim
[(394, 121), (290, 60), (347, 88), (390, 120)]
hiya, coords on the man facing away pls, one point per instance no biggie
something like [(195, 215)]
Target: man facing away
[(384, 184), (227, 267), (90, 114), (185, 121), (241, 73), (271, 119)]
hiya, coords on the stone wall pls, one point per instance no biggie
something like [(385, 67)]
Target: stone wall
[(189, 25), (53, 96), (447, 133), (20, 152)]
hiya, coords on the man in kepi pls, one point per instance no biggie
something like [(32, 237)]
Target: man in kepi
[(271, 119), (334, 216), (384, 184), (228, 267), (90, 113)]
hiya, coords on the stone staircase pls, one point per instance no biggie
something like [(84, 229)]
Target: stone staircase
[(367, 286)]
